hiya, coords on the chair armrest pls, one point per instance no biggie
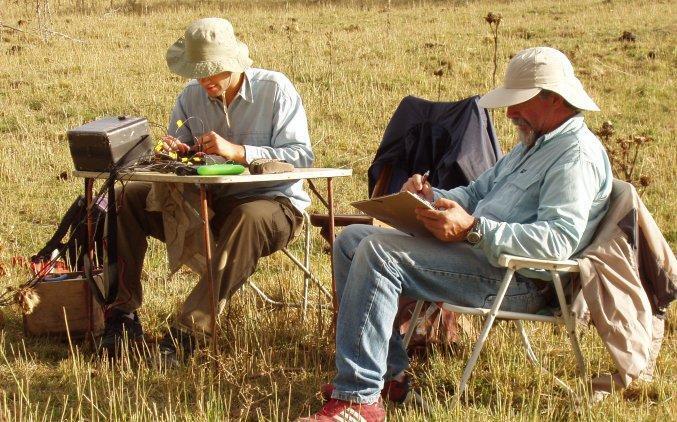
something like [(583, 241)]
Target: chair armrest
[(517, 262), (340, 220), (322, 220)]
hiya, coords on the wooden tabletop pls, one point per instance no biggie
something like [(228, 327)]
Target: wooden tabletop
[(150, 176)]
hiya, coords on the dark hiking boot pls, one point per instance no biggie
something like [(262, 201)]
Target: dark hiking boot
[(121, 329), (176, 346)]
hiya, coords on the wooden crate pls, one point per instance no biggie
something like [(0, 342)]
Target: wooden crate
[(65, 301)]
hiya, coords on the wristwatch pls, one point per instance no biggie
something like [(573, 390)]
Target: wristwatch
[(474, 236)]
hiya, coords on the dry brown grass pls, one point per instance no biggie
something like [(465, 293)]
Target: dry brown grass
[(352, 63)]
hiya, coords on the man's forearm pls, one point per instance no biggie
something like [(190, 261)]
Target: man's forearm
[(541, 239), (459, 195), (297, 154)]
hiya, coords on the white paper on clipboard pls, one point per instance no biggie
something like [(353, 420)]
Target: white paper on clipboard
[(397, 210)]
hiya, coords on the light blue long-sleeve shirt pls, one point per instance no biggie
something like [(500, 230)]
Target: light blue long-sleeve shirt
[(266, 117), (544, 202)]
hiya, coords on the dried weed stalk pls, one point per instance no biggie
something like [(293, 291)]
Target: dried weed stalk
[(291, 29), (43, 15), (44, 31), (330, 49), (439, 73), (494, 20), (623, 154), (627, 36)]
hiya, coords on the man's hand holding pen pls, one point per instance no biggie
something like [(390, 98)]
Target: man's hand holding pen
[(418, 184)]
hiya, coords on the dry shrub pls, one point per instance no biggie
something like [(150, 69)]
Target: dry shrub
[(624, 151)]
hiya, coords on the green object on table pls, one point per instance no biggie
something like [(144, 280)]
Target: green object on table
[(219, 169)]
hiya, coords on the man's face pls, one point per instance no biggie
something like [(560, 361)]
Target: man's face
[(530, 118), (216, 85)]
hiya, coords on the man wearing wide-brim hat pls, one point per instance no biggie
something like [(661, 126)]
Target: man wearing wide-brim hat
[(240, 113), (543, 199)]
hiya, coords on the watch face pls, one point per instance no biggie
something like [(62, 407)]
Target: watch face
[(473, 237)]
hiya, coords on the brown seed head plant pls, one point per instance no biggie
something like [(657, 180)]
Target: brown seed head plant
[(627, 36), (494, 20), (439, 72), (291, 29), (623, 154), (606, 131), (330, 51)]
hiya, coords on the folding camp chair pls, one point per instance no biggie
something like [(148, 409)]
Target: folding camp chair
[(512, 264), (304, 266)]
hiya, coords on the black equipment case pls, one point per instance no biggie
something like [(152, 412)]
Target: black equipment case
[(103, 143)]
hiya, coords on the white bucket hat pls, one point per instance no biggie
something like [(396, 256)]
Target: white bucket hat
[(534, 69), (208, 47)]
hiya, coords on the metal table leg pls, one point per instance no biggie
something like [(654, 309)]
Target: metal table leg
[(204, 210), (330, 206), (89, 188)]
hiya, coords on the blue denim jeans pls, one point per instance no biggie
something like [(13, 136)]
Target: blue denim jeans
[(373, 267)]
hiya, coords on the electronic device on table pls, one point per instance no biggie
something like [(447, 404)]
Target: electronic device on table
[(110, 142), (117, 143)]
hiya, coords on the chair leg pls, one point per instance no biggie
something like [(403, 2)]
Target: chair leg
[(430, 311), (485, 332), (570, 323), (272, 301), (534, 360), (527, 344), (306, 262), (307, 275), (413, 323), (267, 299), (307, 272)]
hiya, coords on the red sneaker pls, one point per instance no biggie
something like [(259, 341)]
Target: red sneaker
[(395, 391), (338, 410)]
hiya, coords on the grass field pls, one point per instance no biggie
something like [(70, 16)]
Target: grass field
[(352, 62)]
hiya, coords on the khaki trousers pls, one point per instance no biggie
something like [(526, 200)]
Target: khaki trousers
[(244, 230)]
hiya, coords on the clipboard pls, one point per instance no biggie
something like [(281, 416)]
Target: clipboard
[(397, 210)]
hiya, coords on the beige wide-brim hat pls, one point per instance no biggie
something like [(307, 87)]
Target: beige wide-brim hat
[(534, 69), (208, 47)]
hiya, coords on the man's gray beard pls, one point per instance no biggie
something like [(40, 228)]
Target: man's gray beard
[(527, 138)]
